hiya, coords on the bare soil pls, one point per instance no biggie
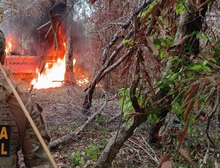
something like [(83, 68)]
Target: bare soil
[(62, 109)]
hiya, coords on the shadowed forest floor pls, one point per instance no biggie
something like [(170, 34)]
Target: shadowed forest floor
[(62, 110)]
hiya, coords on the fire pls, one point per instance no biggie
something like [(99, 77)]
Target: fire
[(81, 75), (52, 74), (74, 61), (83, 81), (54, 70), (52, 77), (8, 49)]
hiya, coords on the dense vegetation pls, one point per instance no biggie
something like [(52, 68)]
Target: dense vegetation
[(161, 58), (170, 66)]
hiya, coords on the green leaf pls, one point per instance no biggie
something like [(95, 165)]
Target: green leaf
[(203, 36), (205, 62), (176, 108), (77, 158), (171, 59), (152, 118), (216, 49), (145, 12), (200, 67), (180, 7), (93, 151), (161, 53), (128, 42), (125, 101)]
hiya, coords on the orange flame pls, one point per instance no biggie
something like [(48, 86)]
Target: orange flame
[(8, 48), (52, 77), (83, 81), (53, 73), (81, 76), (54, 70)]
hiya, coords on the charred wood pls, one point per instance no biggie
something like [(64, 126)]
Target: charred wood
[(69, 76)]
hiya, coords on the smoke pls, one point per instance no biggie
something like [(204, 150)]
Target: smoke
[(30, 34), (16, 30), (33, 35)]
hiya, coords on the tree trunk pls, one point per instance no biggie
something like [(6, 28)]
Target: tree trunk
[(190, 23), (69, 76), (116, 142)]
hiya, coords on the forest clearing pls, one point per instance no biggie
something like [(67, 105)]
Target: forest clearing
[(121, 84)]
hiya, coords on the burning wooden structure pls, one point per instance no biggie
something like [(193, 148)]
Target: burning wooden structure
[(40, 49), (48, 67), (22, 67)]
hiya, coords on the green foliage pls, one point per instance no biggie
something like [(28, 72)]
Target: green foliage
[(77, 158), (125, 101), (128, 42), (203, 36), (152, 118), (146, 11), (143, 127), (200, 67), (127, 107), (180, 7), (176, 107), (162, 44), (91, 152), (182, 71), (216, 49), (169, 81)]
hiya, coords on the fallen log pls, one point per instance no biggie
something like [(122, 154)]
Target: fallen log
[(76, 134), (115, 117), (116, 142)]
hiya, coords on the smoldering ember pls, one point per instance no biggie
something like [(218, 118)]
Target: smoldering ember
[(121, 84)]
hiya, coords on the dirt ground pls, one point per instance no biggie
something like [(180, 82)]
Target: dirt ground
[(62, 109)]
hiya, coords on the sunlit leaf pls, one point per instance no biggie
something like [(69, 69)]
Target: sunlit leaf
[(180, 6), (128, 42)]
